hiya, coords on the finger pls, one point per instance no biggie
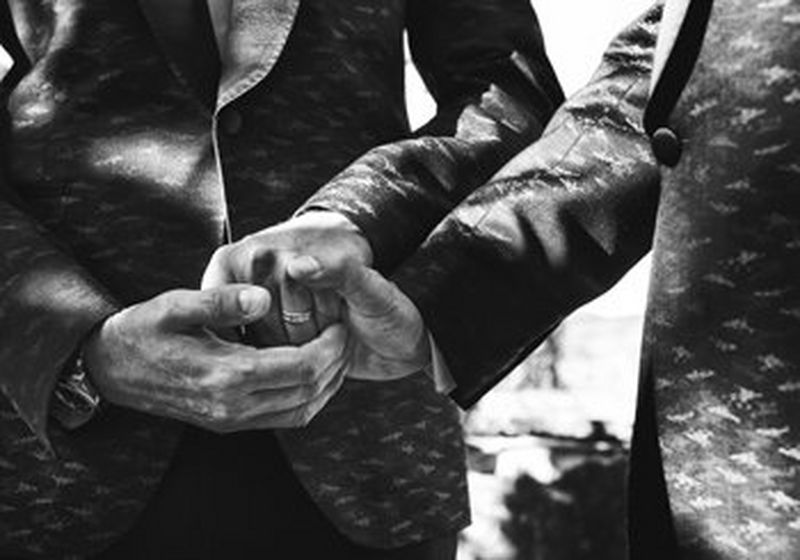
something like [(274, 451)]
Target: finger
[(297, 311), (273, 408), (261, 417), (218, 272), (327, 307), (308, 269), (290, 399), (365, 290), (216, 308), (292, 366), (368, 291), (269, 331)]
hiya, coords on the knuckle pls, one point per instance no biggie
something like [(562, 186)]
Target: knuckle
[(167, 304), (247, 366), (308, 375), (304, 417), (309, 391), (209, 384), (321, 382), (221, 415), (220, 381), (248, 248), (315, 389), (220, 255), (217, 416), (212, 301), (329, 353)]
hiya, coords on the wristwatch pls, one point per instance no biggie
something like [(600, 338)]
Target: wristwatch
[(75, 400)]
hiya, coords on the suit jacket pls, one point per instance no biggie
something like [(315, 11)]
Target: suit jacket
[(127, 156), (566, 217), (720, 344)]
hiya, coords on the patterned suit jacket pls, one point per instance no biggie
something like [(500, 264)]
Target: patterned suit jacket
[(126, 156), (723, 324), (566, 217)]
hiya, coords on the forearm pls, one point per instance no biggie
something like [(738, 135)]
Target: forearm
[(486, 67), (558, 225), (48, 304)]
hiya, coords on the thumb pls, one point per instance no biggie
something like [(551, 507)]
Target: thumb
[(364, 289), (224, 306)]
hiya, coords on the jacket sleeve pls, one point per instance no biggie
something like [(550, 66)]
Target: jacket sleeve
[(486, 67), (48, 303), (558, 225)]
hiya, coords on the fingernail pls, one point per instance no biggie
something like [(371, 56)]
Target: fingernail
[(252, 300), (304, 266)]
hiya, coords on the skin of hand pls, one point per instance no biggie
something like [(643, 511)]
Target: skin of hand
[(388, 338), (163, 357), (261, 259)]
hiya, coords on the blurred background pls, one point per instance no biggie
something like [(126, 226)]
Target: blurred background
[(548, 447)]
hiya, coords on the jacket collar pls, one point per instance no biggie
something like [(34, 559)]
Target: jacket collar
[(259, 30), (258, 33)]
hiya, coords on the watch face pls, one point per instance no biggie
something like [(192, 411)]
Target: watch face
[(75, 401)]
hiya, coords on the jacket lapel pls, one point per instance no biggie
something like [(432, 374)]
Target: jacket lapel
[(680, 36), (671, 21), (257, 35), (184, 32)]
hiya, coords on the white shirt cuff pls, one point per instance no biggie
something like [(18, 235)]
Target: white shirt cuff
[(438, 370)]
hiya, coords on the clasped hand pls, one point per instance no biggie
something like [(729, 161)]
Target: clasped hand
[(313, 313), (317, 268)]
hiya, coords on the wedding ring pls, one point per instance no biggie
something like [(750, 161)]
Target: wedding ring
[(296, 317)]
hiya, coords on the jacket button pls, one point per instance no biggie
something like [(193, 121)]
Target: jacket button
[(666, 146), (231, 122)]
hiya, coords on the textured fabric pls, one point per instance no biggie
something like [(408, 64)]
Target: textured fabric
[(724, 313), (398, 192), (559, 224), (199, 513), (571, 213), (113, 159), (396, 450)]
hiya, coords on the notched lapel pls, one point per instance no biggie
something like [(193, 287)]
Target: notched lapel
[(183, 30), (258, 33)]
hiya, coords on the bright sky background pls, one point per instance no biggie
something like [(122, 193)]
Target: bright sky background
[(5, 62), (576, 34)]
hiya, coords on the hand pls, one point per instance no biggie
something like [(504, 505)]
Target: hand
[(297, 315), (161, 357), (388, 339)]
